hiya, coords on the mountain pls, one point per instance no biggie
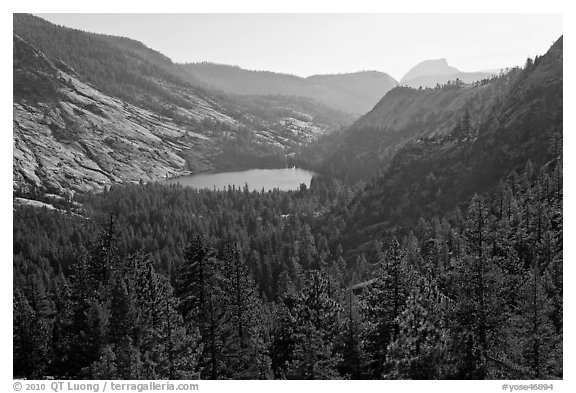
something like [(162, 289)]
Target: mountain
[(91, 110), (521, 128), (429, 67), (429, 73), (70, 135), (445, 262), (353, 93), (403, 114)]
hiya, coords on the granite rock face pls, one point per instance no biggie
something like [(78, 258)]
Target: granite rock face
[(70, 136), (75, 137)]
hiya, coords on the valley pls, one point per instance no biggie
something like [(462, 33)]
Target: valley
[(77, 132), (204, 221)]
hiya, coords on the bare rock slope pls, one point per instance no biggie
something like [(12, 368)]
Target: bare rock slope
[(70, 134)]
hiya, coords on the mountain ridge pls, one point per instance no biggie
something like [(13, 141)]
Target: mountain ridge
[(430, 73), (355, 92), (432, 176), (135, 117), (405, 114)]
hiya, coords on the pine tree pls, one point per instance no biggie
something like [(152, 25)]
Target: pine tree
[(30, 339), (211, 330), (128, 360), (283, 334), (62, 325), (105, 366), (349, 343), (244, 336), (536, 346), (123, 313), (421, 350), (198, 288), (316, 328), (193, 279), (79, 347), (479, 312), (179, 341), (384, 302), (104, 256), (313, 355)]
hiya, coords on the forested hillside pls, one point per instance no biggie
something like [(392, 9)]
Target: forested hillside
[(521, 104), (233, 284), (355, 93), (434, 175), (429, 245), (91, 110)]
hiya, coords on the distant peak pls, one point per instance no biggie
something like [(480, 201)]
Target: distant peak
[(371, 73), (438, 62), (430, 67)]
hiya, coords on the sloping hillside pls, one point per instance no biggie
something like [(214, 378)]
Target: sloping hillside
[(69, 135), (433, 176), (354, 93), (404, 114), (92, 109)]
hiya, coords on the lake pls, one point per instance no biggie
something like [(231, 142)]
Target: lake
[(257, 179)]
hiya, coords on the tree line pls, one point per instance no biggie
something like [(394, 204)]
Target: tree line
[(261, 288)]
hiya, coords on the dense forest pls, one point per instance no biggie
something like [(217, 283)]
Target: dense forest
[(429, 244), (151, 281)]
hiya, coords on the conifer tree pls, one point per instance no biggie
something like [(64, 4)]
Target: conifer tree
[(283, 340), (245, 351), (30, 335), (123, 313), (349, 342), (316, 328), (479, 311), (421, 350), (536, 346), (385, 301), (193, 278), (105, 366), (128, 359), (179, 341)]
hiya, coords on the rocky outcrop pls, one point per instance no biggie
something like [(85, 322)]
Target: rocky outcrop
[(69, 135)]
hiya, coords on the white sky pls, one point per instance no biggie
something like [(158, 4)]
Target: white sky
[(307, 44)]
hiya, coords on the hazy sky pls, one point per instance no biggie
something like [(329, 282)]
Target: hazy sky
[(307, 44)]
